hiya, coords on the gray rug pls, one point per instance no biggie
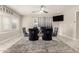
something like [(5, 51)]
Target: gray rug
[(40, 46)]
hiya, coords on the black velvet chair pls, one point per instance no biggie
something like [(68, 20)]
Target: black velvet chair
[(33, 34), (42, 29), (24, 32), (55, 31), (47, 34)]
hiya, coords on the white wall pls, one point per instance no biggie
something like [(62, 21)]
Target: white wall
[(27, 22), (69, 25), (70, 28)]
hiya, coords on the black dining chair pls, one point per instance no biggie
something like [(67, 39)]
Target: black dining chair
[(33, 34), (47, 34)]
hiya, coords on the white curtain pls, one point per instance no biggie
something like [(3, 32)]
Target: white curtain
[(9, 22), (6, 23), (15, 22), (43, 21)]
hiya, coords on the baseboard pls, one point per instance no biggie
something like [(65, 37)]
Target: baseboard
[(70, 42), (66, 36)]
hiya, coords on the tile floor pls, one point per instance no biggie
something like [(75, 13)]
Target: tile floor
[(40, 46)]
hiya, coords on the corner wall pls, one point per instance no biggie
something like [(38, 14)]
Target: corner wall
[(69, 25), (68, 34)]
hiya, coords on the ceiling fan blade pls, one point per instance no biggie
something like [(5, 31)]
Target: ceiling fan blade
[(35, 11), (45, 11), (42, 10)]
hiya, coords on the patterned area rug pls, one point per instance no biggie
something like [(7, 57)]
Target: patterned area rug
[(40, 46)]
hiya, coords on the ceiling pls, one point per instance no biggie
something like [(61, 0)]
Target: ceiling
[(27, 9)]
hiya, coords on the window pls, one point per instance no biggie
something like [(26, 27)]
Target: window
[(15, 23), (0, 23), (9, 20), (6, 23)]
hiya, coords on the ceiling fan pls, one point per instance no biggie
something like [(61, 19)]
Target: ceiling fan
[(42, 10)]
